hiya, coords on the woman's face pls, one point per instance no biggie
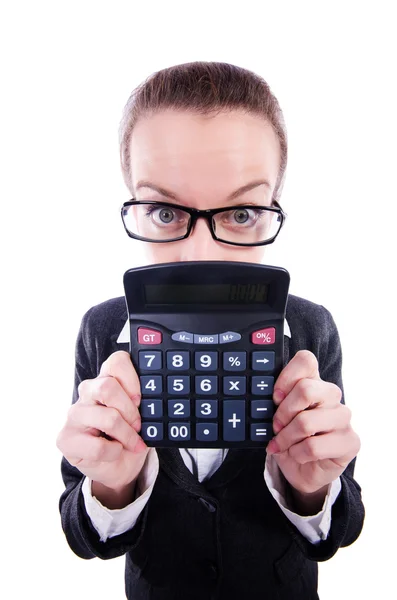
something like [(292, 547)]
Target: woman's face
[(201, 162)]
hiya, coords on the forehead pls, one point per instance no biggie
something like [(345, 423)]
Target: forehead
[(183, 150)]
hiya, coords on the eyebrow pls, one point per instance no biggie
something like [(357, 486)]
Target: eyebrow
[(241, 190)]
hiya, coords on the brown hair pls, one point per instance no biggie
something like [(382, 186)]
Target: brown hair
[(205, 88)]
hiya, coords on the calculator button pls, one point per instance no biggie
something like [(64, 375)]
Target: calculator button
[(264, 336), (150, 360), (179, 431), (183, 336), (206, 409), (234, 385), (262, 409), (234, 420), (178, 384), (206, 361), (152, 431), (261, 432), (207, 432), (206, 384), (263, 361), (206, 339), (234, 361), (151, 408), (262, 386), (178, 361), (151, 385), (149, 336), (229, 336), (178, 408)]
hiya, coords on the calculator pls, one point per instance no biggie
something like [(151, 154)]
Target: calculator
[(206, 339)]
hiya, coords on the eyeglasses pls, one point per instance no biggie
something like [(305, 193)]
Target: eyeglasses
[(242, 225)]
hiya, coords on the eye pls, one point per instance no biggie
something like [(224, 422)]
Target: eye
[(166, 215), (162, 214), (241, 215)]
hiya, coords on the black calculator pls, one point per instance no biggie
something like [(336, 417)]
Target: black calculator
[(206, 339)]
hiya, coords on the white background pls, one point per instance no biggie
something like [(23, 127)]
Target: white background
[(67, 71)]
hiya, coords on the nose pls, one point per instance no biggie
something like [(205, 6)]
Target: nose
[(200, 244)]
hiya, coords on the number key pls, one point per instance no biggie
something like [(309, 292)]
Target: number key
[(152, 431), (178, 384), (178, 361), (151, 408), (151, 385), (179, 431), (206, 409), (178, 408), (150, 360), (206, 385), (206, 361)]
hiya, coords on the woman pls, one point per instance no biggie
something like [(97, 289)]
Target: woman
[(209, 523)]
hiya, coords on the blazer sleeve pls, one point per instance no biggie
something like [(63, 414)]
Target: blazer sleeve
[(80, 533), (347, 516)]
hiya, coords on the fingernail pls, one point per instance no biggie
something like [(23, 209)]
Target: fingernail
[(272, 447), (277, 425), (278, 396)]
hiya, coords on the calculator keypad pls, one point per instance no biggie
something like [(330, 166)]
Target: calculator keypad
[(178, 384), (234, 420), (178, 361), (207, 432), (150, 360), (194, 392), (234, 385), (151, 385), (206, 409), (178, 409), (152, 408), (206, 361), (234, 361)]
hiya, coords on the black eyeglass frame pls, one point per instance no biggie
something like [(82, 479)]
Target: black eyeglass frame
[(207, 214)]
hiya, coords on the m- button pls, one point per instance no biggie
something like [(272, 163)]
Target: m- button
[(149, 336)]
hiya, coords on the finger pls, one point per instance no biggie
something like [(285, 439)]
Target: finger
[(303, 365), (80, 448), (307, 393), (339, 447), (119, 366), (108, 391), (105, 419), (309, 423)]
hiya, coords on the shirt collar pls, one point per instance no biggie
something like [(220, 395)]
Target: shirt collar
[(124, 337)]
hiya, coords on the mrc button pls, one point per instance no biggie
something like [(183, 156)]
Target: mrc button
[(206, 339), (149, 336), (264, 336)]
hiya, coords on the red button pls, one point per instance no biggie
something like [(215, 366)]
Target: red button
[(149, 336), (264, 336)]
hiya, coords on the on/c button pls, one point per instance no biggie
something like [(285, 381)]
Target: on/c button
[(149, 336), (264, 336)]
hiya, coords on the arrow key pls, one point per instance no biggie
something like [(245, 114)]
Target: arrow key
[(263, 361)]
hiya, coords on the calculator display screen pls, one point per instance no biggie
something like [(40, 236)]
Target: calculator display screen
[(222, 293)]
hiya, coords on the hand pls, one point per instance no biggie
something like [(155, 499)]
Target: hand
[(315, 441), (107, 405)]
